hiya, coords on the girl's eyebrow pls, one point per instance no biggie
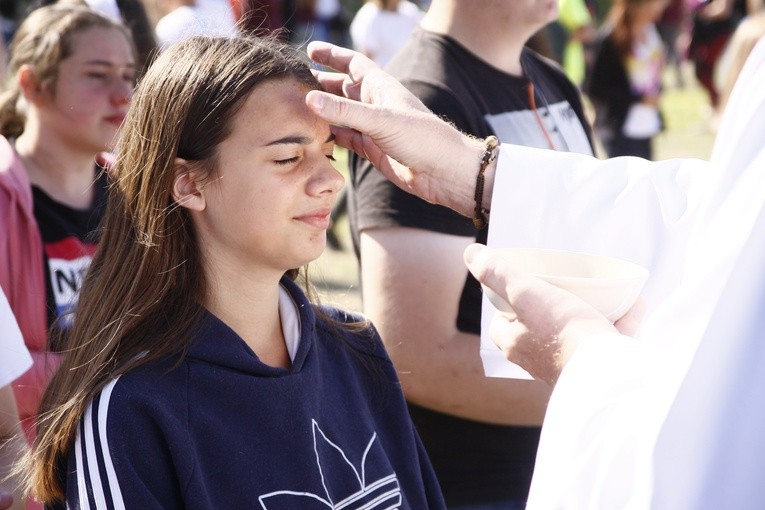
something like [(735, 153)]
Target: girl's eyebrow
[(302, 140), (107, 63)]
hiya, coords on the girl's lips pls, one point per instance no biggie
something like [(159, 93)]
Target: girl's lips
[(115, 119), (318, 219)]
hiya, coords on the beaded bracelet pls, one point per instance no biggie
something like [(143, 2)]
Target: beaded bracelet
[(489, 154)]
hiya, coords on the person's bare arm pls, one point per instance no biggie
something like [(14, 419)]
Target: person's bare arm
[(412, 281), (12, 446)]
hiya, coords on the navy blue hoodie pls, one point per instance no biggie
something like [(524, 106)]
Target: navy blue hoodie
[(223, 430)]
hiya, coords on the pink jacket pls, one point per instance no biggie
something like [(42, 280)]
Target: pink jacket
[(22, 280)]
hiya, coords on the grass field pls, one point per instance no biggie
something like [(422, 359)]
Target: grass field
[(687, 134)]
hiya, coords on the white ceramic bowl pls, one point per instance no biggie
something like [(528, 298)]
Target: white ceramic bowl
[(608, 284)]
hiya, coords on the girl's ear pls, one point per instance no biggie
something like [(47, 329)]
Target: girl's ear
[(187, 186), (29, 85)]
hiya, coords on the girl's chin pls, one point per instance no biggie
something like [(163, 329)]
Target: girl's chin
[(312, 253)]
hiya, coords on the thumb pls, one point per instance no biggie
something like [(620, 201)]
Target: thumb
[(527, 295), (487, 267), (341, 111)]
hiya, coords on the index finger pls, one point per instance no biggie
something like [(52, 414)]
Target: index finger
[(330, 81), (350, 62)]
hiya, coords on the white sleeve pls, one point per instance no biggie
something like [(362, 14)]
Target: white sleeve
[(638, 210), (14, 356), (627, 207)]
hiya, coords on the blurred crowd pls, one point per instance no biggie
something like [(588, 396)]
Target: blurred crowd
[(696, 36), (693, 32)]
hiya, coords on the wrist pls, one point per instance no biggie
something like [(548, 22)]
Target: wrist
[(464, 165), (465, 168), (488, 185), (489, 155)]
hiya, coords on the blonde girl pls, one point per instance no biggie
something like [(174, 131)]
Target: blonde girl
[(72, 74)]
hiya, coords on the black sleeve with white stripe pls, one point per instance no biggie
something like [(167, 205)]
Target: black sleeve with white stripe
[(122, 456)]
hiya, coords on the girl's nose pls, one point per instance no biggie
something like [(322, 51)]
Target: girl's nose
[(122, 92), (328, 179)]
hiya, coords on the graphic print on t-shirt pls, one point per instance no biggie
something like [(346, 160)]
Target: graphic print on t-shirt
[(347, 484), (68, 260), (69, 236), (556, 124)]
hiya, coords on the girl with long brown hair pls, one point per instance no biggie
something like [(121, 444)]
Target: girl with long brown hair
[(198, 374)]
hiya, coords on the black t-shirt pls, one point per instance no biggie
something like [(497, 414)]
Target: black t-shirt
[(69, 241), (475, 462)]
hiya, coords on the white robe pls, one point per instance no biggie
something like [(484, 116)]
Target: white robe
[(676, 419)]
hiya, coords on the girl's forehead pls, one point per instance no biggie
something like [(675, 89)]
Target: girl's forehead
[(276, 109), (94, 41), (274, 94)]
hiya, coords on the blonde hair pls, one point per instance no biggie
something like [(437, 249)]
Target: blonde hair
[(139, 301), (42, 41)]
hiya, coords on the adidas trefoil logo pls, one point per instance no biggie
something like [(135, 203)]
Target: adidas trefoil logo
[(349, 490)]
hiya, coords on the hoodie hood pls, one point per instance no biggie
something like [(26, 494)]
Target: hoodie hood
[(217, 344)]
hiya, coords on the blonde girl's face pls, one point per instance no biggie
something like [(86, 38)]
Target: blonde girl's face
[(268, 202), (92, 91)]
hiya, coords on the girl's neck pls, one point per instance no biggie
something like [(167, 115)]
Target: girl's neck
[(63, 173), (251, 308)]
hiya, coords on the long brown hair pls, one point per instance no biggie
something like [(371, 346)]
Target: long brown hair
[(42, 41), (139, 300)]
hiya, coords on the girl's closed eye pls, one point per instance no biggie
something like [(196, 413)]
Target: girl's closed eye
[(287, 161), (331, 156)]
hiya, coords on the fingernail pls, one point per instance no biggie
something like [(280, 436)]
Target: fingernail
[(317, 100), (472, 251)]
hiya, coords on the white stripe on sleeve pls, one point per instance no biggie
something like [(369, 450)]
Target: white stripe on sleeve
[(90, 452), (89, 449), (82, 487), (103, 409)]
